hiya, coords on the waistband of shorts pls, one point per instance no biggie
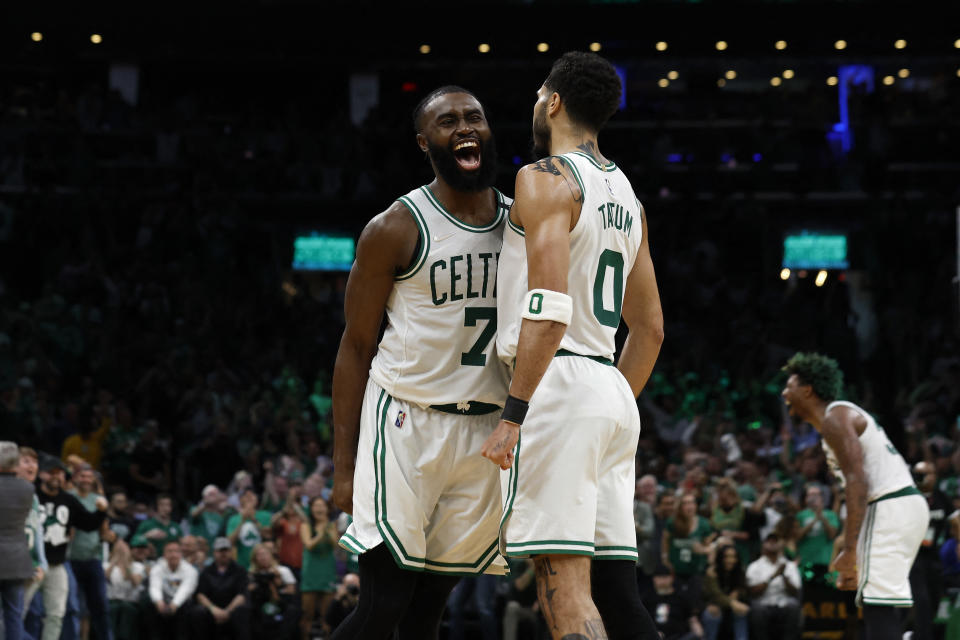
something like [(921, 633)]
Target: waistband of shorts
[(600, 359), (467, 409), (899, 493)]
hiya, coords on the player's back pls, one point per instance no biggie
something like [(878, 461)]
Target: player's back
[(603, 247), (884, 467)]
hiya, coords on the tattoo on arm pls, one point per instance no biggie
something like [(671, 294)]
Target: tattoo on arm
[(594, 631), (548, 165)]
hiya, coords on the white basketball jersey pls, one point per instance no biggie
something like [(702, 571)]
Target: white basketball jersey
[(603, 247), (442, 315), (884, 467)]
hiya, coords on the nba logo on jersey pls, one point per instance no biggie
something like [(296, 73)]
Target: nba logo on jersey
[(399, 421), (609, 188)]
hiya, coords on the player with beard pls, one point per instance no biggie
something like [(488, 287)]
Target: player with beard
[(411, 413), (575, 261)]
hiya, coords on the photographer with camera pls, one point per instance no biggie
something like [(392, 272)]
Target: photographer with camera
[(272, 610), (344, 601)]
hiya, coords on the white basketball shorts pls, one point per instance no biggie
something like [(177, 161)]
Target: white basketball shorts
[(422, 488), (570, 489), (890, 537)]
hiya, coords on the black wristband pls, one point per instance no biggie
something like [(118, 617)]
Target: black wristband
[(514, 410)]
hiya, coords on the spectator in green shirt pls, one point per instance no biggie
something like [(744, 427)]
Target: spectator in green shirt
[(243, 528), (686, 537), (160, 529), (818, 528), (207, 518)]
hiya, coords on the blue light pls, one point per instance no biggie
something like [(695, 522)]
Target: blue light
[(675, 157), (517, 161), (726, 157), (847, 76), (757, 157), (623, 86)]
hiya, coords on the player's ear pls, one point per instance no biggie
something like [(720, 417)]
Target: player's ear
[(422, 142), (554, 102)]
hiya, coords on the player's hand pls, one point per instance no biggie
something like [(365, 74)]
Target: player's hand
[(499, 445), (343, 492), (845, 564)]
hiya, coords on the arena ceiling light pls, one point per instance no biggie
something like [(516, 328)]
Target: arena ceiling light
[(832, 81), (36, 36), (722, 83), (595, 46), (721, 45), (888, 80), (784, 274), (787, 74), (424, 49), (662, 46), (483, 48), (780, 45), (730, 74), (840, 45), (821, 278), (672, 75), (776, 81), (543, 47), (904, 73), (96, 38), (663, 83), (900, 44), (956, 43)]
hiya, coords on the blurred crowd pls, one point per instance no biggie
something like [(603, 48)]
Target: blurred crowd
[(156, 350)]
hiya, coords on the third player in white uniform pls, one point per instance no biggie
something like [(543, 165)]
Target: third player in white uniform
[(887, 516)]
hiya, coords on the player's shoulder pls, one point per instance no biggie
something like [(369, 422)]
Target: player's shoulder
[(550, 178), (396, 221)]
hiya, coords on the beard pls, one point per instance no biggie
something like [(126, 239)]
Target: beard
[(540, 145), (445, 163)]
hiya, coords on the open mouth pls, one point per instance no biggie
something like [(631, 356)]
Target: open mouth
[(467, 154)]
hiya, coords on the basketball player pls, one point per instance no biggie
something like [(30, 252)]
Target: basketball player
[(886, 515), (411, 413), (575, 258)]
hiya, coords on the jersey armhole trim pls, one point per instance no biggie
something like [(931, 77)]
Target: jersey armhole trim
[(583, 192), (424, 239)]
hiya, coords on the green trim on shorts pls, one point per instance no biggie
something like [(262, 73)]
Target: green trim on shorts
[(889, 602), (478, 567), (611, 553), (476, 408), (383, 526), (600, 359), (512, 483), (868, 536), (906, 491), (545, 547)]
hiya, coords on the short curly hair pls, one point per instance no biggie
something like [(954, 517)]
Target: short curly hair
[(820, 372), (588, 85)]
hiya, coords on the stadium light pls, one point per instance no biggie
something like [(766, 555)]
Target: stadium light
[(662, 46), (424, 49), (784, 274), (904, 73), (663, 83), (36, 36), (821, 278), (900, 44), (672, 75), (832, 81), (787, 74), (780, 45), (840, 45), (543, 47), (722, 83), (888, 80), (96, 38), (730, 74), (595, 46), (484, 48), (721, 45), (776, 81)]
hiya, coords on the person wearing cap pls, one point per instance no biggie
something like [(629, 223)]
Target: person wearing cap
[(774, 584), (16, 497), (62, 512), (221, 610)]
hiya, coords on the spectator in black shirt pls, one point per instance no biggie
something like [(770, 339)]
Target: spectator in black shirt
[(149, 466), (221, 610), (673, 614), (121, 520)]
